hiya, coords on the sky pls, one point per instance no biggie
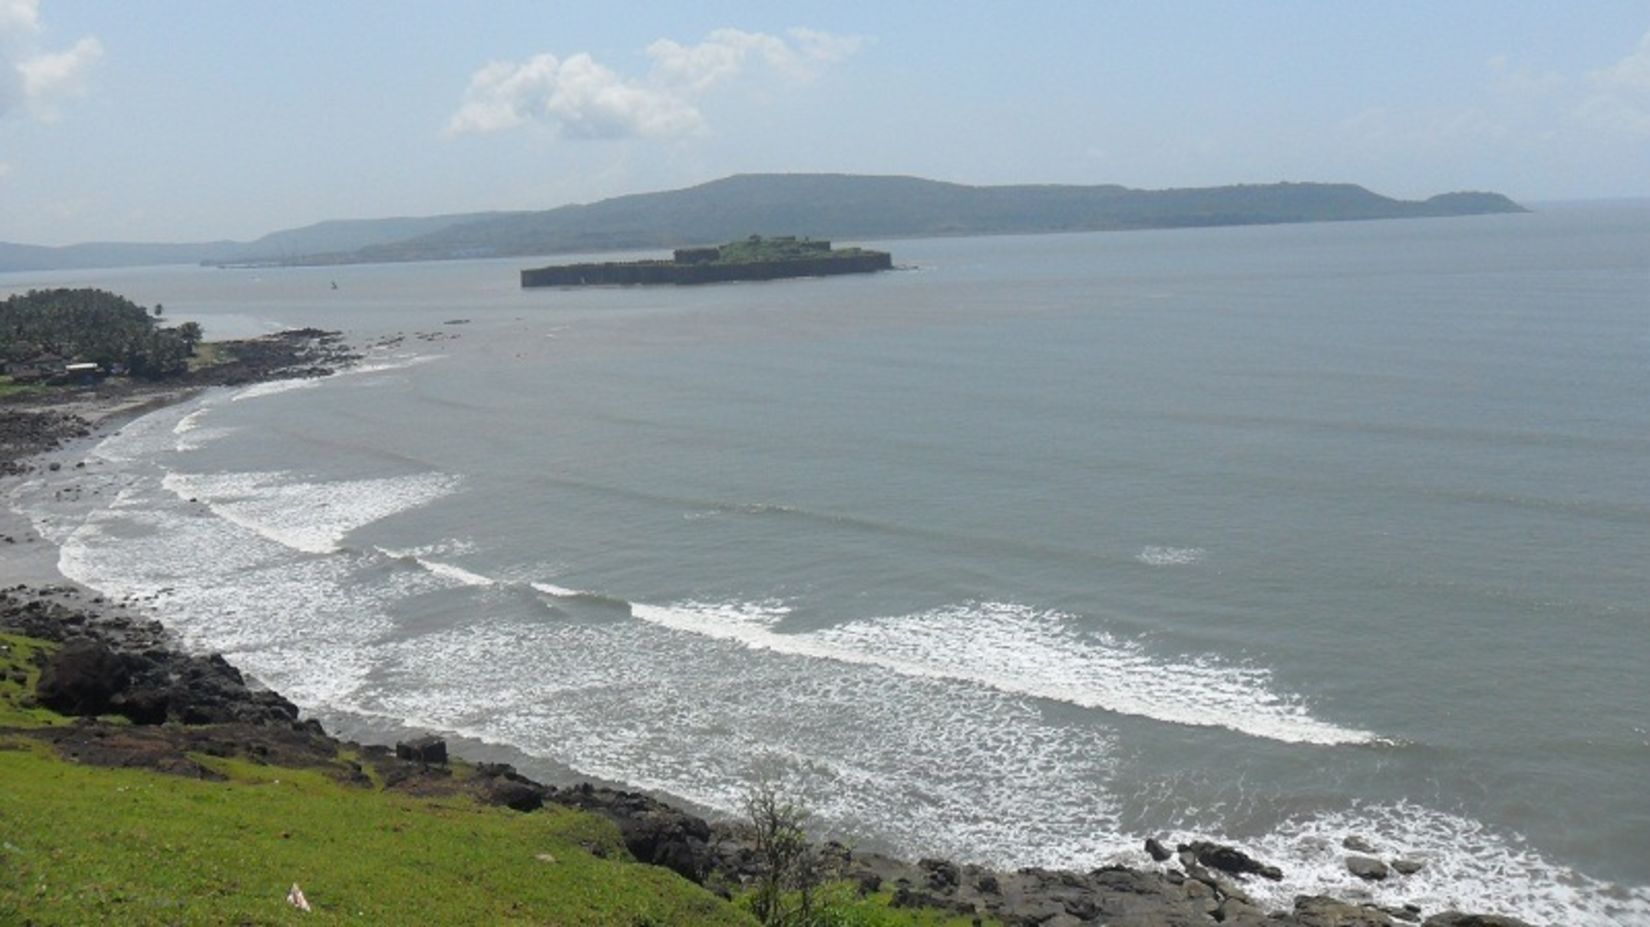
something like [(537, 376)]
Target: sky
[(177, 120)]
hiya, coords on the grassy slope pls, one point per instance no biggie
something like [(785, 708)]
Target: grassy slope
[(90, 845), (86, 845)]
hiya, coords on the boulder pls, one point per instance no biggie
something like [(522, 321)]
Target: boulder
[(1323, 911), (82, 679), (1367, 868), (1407, 866), (653, 831), (942, 873), (1457, 919), (1229, 859), (1358, 844), (1157, 851), (510, 793), (431, 751)]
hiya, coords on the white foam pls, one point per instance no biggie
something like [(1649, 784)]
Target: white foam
[(1024, 651), (189, 422), (676, 711), (450, 571), (274, 387), (382, 364), (560, 592), (1467, 867), (1153, 555), (313, 517), (365, 368)]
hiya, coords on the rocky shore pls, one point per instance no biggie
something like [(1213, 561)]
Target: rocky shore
[(33, 424), (115, 658)]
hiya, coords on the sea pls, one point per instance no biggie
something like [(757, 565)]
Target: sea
[(1029, 550)]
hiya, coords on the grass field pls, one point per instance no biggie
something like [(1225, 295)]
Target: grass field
[(93, 845)]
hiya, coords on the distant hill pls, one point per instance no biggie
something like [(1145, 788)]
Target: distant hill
[(842, 206), (851, 206), (110, 254), (277, 247), (349, 235)]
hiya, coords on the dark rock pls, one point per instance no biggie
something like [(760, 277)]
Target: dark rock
[(1457, 919), (512, 794), (1367, 867), (653, 831), (1156, 850), (1322, 911), (1357, 844), (942, 873), (1406, 867), (145, 705), (429, 750), (82, 679), (1228, 859)]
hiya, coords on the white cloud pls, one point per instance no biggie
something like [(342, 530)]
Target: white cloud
[(1574, 112), (578, 97), (725, 53), (19, 16), (1619, 95), (55, 74), (32, 79)]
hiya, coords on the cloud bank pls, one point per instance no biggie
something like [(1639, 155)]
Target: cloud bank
[(33, 80), (579, 98), (1619, 95)]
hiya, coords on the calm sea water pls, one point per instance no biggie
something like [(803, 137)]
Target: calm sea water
[(1046, 545)]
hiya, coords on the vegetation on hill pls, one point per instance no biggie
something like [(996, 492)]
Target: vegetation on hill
[(851, 206), (42, 330)]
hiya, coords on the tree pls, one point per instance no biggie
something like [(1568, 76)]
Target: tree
[(64, 325), (190, 334), (786, 861)]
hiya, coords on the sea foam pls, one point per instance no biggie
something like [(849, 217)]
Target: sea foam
[(1467, 866), (309, 516), (1031, 652)]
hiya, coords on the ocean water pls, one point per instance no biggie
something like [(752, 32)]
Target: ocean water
[(1024, 553)]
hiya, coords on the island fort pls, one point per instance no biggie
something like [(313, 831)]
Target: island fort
[(755, 258)]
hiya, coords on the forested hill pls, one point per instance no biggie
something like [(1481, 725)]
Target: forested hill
[(839, 206), (843, 206)]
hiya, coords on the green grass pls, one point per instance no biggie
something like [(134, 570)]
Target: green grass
[(9, 388), (17, 655), (86, 846), (841, 905), (210, 354), (93, 845)]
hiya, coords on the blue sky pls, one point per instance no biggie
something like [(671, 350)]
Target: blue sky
[(178, 120)]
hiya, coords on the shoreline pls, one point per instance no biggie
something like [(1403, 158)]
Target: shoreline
[(1196, 883)]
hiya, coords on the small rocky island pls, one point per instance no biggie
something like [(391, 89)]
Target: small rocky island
[(755, 258)]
